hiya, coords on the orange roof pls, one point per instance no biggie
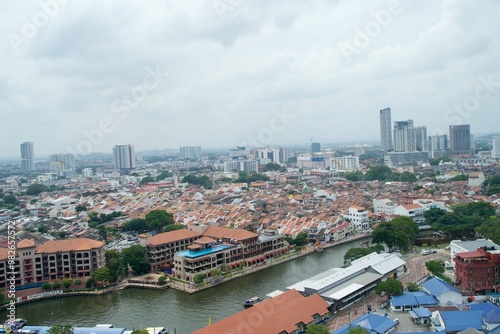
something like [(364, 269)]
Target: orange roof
[(172, 236), (25, 243), (82, 244), (4, 253), (276, 315), (205, 240), (412, 206), (228, 233)]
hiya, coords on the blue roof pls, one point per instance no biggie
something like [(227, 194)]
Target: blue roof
[(437, 287), (422, 312), (460, 320), (414, 299), (373, 322), (79, 330), (491, 312)]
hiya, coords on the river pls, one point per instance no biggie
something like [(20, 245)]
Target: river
[(133, 308)]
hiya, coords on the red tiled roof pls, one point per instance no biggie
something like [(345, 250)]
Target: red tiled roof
[(228, 233), (276, 315), (167, 237), (25, 243), (82, 244)]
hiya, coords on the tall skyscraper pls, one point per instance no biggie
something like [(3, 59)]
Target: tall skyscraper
[(190, 152), (460, 139), (124, 157), (495, 152), (385, 130), (401, 135), (27, 156), (315, 147), (66, 161)]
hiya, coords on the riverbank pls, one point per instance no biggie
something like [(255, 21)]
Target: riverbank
[(308, 249)]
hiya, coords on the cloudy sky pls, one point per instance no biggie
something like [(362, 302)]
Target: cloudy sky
[(79, 76)]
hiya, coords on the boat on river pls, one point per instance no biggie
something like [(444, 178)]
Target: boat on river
[(251, 301)]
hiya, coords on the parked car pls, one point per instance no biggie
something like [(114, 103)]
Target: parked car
[(428, 251)]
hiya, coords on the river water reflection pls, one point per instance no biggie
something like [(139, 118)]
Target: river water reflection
[(171, 308)]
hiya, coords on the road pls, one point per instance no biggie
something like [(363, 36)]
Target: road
[(415, 262)]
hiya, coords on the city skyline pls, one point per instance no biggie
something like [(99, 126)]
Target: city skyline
[(196, 74)]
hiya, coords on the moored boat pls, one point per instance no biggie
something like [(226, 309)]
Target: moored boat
[(251, 301)]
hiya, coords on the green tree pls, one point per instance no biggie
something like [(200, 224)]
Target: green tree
[(490, 229), (43, 229), (354, 176), (413, 287), (35, 189), (435, 267), (407, 177), (481, 209), (380, 173), (300, 239), (492, 185), (391, 286), (317, 329), (80, 208), (157, 219), (67, 282), (358, 330), (10, 200), (91, 282), (174, 227), (162, 280), (61, 329), (164, 175), (147, 179), (78, 281), (135, 257), (103, 233), (56, 285), (102, 275), (399, 232), (136, 224), (198, 278), (272, 167), (356, 253), (46, 286), (432, 215)]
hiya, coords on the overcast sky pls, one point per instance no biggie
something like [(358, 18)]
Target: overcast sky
[(79, 76)]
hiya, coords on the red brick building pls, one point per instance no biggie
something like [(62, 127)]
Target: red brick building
[(478, 270)]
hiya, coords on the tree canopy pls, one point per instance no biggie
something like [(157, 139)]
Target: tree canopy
[(317, 329), (198, 181), (391, 287), (135, 257), (356, 253), (36, 188), (61, 329), (244, 177), (399, 232), (157, 219), (492, 185)]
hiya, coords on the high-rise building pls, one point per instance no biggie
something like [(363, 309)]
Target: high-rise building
[(65, 161), (437, 145), (385, 130), (315, 147), (27, 156), (190, 152), (495, 152), (249, 166), (124, 157), (408, 138), (278, 155), (460, 139)]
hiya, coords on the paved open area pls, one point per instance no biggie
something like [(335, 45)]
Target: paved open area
[(416, 264)]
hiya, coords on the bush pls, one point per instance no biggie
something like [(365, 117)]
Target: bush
[(77, 281), (56, 285), (162, 280), (90, 283), (46, 286), (199, 278), (67, 282)]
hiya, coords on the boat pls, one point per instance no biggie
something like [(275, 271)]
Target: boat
[(319, 249), (251, 302)]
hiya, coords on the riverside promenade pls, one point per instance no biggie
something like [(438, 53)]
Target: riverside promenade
[(307, 249)]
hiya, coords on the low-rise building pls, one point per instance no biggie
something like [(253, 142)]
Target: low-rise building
[(476, 179), (478, 270), (291, 313), (358, 216)]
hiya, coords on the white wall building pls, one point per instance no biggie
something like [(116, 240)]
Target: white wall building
[(384, 206), (347, 162), (495, 152), (124, 157), (190, 152), (476, 179), (359, 217), (249, 166)]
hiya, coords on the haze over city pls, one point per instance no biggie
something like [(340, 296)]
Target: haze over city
[(164, 74)]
